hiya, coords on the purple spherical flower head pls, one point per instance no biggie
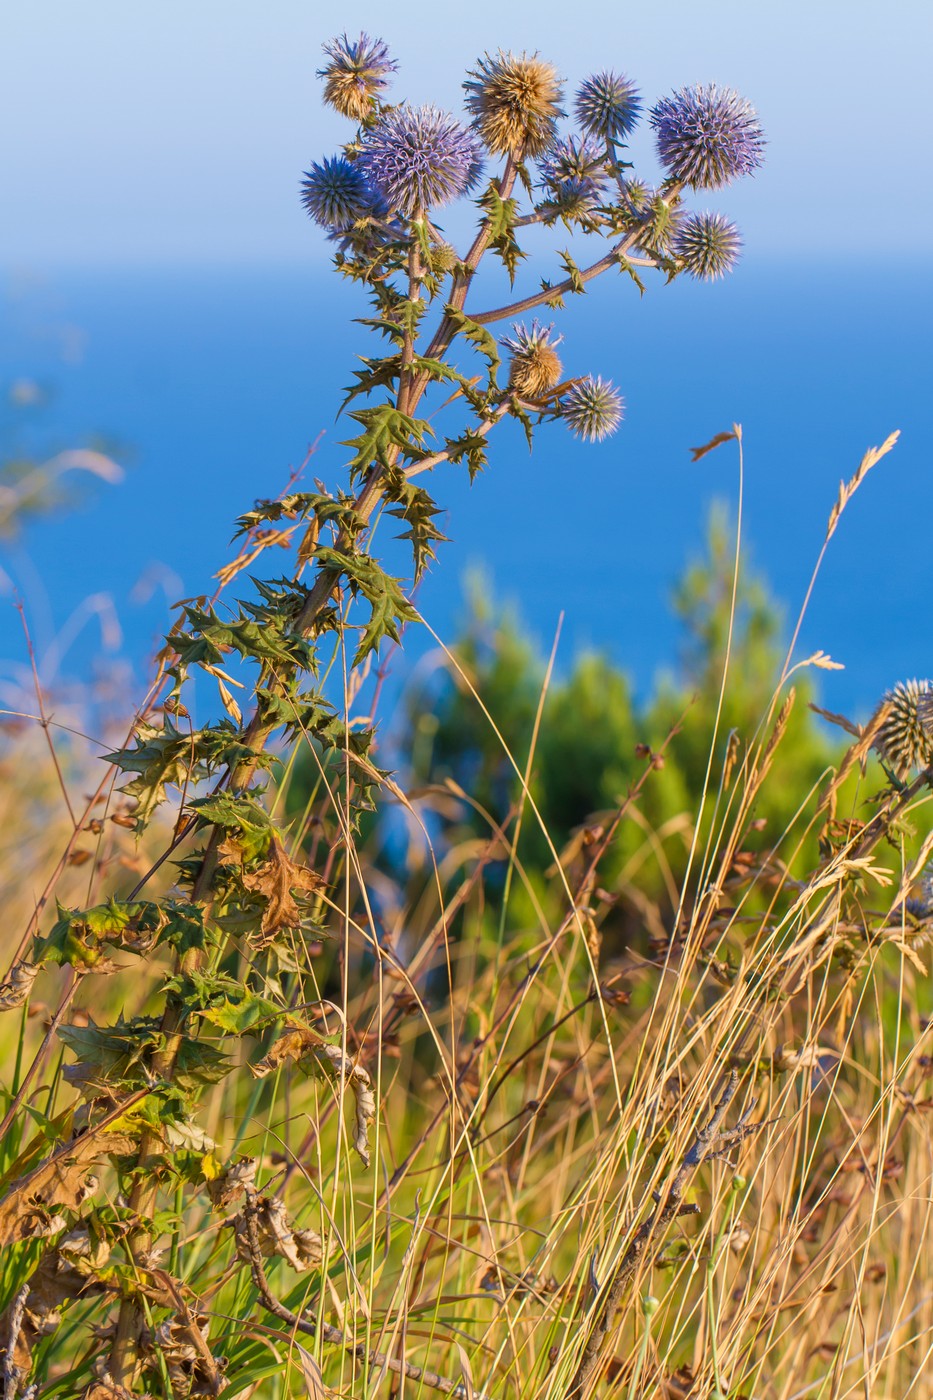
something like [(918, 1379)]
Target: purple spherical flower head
[(608, 106), (708, 245), (707, 136), (574, 172), (335, 194), (356, 74), (592, 409), (419, 157)]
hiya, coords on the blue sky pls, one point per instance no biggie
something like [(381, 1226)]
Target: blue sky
[(177, 131)]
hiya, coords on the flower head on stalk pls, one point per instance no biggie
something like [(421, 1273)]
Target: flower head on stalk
[(573, 172), (336, 194), (608, 106), (905, 739), (535, 366), (707, 136), (419, 157), (592, 409), (514, 100), (708, 245), (356, 74)]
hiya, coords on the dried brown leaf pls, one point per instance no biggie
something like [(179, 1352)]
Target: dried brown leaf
[(228, 1187), (33, 1205), (304, 1249), (17, 987), (714, 442), (315, 1055), (275, 880), (292, 1045)]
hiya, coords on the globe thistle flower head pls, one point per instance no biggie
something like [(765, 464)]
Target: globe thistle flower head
[(355, 75), (708, 245), (593, 409), (535, 366), (574, 173), (418, 158), (514, 101), (707, 136), (335, 194), (608, 106), (905, 738)]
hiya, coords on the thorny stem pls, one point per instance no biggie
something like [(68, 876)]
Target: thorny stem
[(124, 1354), (610, 259)]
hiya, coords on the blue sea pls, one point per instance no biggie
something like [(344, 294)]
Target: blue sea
[(209, 385)]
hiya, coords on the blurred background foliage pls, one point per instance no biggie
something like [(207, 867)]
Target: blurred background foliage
[(594, 734)]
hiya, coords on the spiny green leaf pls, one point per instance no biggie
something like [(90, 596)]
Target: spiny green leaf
[(388, 605), (577, 283)]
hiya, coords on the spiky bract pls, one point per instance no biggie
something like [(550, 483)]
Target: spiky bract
[(336, 194), (573, 172), (707, 136), (535, 366), (419, 157), (514, 100), (708, 245), (593, 409), (905, 739), (608, 106), (356, 74)]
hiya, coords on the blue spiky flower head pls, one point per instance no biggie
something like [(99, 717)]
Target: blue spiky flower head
[(356, 74), (707, 136), (574, 174), (514, 100), (608, 106), (336, 195), (708, 245), (535, 366), (592, 409), (419, 157)]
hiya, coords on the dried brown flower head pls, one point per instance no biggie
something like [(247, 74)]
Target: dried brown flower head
[(535, 367), (515, 102), (355, 74)]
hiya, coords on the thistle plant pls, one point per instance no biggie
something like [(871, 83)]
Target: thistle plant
[(223, 918)]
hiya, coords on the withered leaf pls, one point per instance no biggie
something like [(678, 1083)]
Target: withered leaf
[(697, 452), (239, 1177), (312, 1053), (17, 987), (292, 1045), (33, 1205), (277, 1234), (275, 881)]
